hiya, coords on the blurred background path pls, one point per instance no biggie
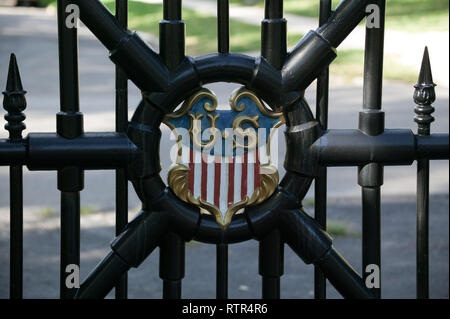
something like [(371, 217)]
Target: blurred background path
[(406, 46)]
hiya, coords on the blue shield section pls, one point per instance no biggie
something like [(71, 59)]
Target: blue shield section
[(224, 123)]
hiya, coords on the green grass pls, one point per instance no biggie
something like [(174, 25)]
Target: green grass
[(201, 29), (46, 212), (308, 202), (45, 3), (88, 210), (245, 38), (192, 243), (340, 229), (349, 64), (201, 36), (404, 15), (334, 228)]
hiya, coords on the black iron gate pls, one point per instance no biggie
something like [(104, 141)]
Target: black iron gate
[(167, 219)]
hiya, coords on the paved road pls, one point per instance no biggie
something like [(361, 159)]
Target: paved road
[(31, 34), (41, 246)]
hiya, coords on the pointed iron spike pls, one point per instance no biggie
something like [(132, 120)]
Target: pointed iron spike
[(14, 96), (14, 101), (424, 96), (425, 76), (14, 83)]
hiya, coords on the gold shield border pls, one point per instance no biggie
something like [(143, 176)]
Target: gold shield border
[(177, 176)]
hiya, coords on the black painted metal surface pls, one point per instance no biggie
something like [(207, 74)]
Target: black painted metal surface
[(69, 125), (371, 122), (121, 126), (320, 183), (168, 78), (273, 49), (222, 271), (424, 96), (15, 103), (172, 249), (223, 46)]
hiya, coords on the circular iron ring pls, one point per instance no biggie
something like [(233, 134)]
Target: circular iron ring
[(186, 219)]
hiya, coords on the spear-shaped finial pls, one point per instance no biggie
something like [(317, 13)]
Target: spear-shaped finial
[(424, 96), (13, 83), (425, 75), (14, 101)]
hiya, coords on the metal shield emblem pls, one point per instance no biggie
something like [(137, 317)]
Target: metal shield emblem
[(223, 161)]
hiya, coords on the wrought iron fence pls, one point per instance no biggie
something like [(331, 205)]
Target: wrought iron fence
[(168, 78)]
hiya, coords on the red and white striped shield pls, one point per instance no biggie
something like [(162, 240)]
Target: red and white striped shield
[(223, 162)]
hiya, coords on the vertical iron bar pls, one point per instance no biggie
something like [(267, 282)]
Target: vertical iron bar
[(69, 125), (172, 9), (121, 124), (371, 122), (423, 202), (172, 48), (271, 264), (223, 38), (273, 33), (320, 185), (424, 96), (222, 271), (14, 103), (371, 230), (273, 9), (223, 26), (70, 237), (16, 232), (273, 49), (171, 34), (171, 265)]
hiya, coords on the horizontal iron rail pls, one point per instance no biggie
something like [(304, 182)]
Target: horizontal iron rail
[(432, 147), (392, 147), (49, 151)]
